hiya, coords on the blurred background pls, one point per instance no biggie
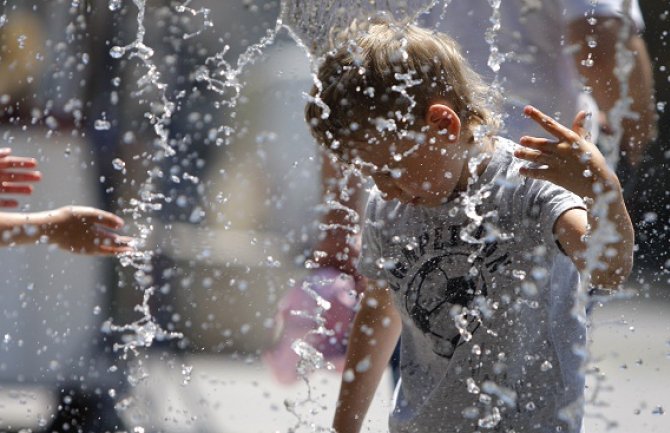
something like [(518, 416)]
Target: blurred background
[(239, 218)]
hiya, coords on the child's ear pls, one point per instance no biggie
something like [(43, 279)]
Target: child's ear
[(442, 118)]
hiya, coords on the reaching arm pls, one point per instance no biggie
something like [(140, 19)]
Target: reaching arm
[(77, 229), (578, 166), (374, 335), (601, 77)]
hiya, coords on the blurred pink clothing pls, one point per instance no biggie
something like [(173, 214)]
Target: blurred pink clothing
[(333, 286)]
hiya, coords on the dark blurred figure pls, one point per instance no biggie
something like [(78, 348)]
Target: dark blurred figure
[(650, 198)]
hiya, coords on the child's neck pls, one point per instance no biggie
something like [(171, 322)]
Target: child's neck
[(487, 148)]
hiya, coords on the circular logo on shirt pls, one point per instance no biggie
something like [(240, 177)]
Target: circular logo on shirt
[(440, 296)]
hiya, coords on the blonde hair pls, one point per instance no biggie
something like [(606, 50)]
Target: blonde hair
[(391, 72)]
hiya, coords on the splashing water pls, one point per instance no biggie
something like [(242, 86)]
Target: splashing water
[(312, 25)]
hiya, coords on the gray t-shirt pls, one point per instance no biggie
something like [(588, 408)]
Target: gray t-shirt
[(488, 335)]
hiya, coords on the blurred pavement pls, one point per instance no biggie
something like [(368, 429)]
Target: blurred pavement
[(222, 394)]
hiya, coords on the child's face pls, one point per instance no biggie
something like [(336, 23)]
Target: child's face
[(414, 170)]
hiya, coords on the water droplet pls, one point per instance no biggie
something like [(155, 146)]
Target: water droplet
[(118, 164), (102, 125), (546, 366), (51, 122), (348, 375), (587, 173), (588, 62), (114, 5), (491, 420), (117, 52), (97, 310), (470, 412), (363, 365), (186, 371), (529, 288), (658, 410), (472, 386), (21, 39), (519, 274), (539, 273)]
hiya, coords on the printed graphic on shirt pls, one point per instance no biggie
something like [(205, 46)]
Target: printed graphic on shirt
[(447, 283)]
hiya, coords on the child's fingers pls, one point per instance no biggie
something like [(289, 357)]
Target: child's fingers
[(9, 203), (533, 155), (549, 124), (17, 162), (18, 176), (106, 242), (98, 216), (114, 244), (111, 249), (15, 188), (578, 125), (123, 240), (542, 144)]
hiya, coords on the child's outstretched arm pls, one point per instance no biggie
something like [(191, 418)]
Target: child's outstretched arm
[(15, 174), (374, 335), (78, 229), (576, 164)]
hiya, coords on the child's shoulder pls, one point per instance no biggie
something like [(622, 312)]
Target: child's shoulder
[(503, 166)]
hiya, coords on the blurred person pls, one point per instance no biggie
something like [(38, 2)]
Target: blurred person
[(44, 65)]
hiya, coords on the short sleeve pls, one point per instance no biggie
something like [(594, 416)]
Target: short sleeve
[(547, 202), (371, 251), (576, 9)]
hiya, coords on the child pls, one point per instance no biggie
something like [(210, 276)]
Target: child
[(471, 244), (16, 173), (78, 229)]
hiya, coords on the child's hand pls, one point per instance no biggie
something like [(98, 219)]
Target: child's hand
[(569, 161), (86, 230), (15, 172)]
